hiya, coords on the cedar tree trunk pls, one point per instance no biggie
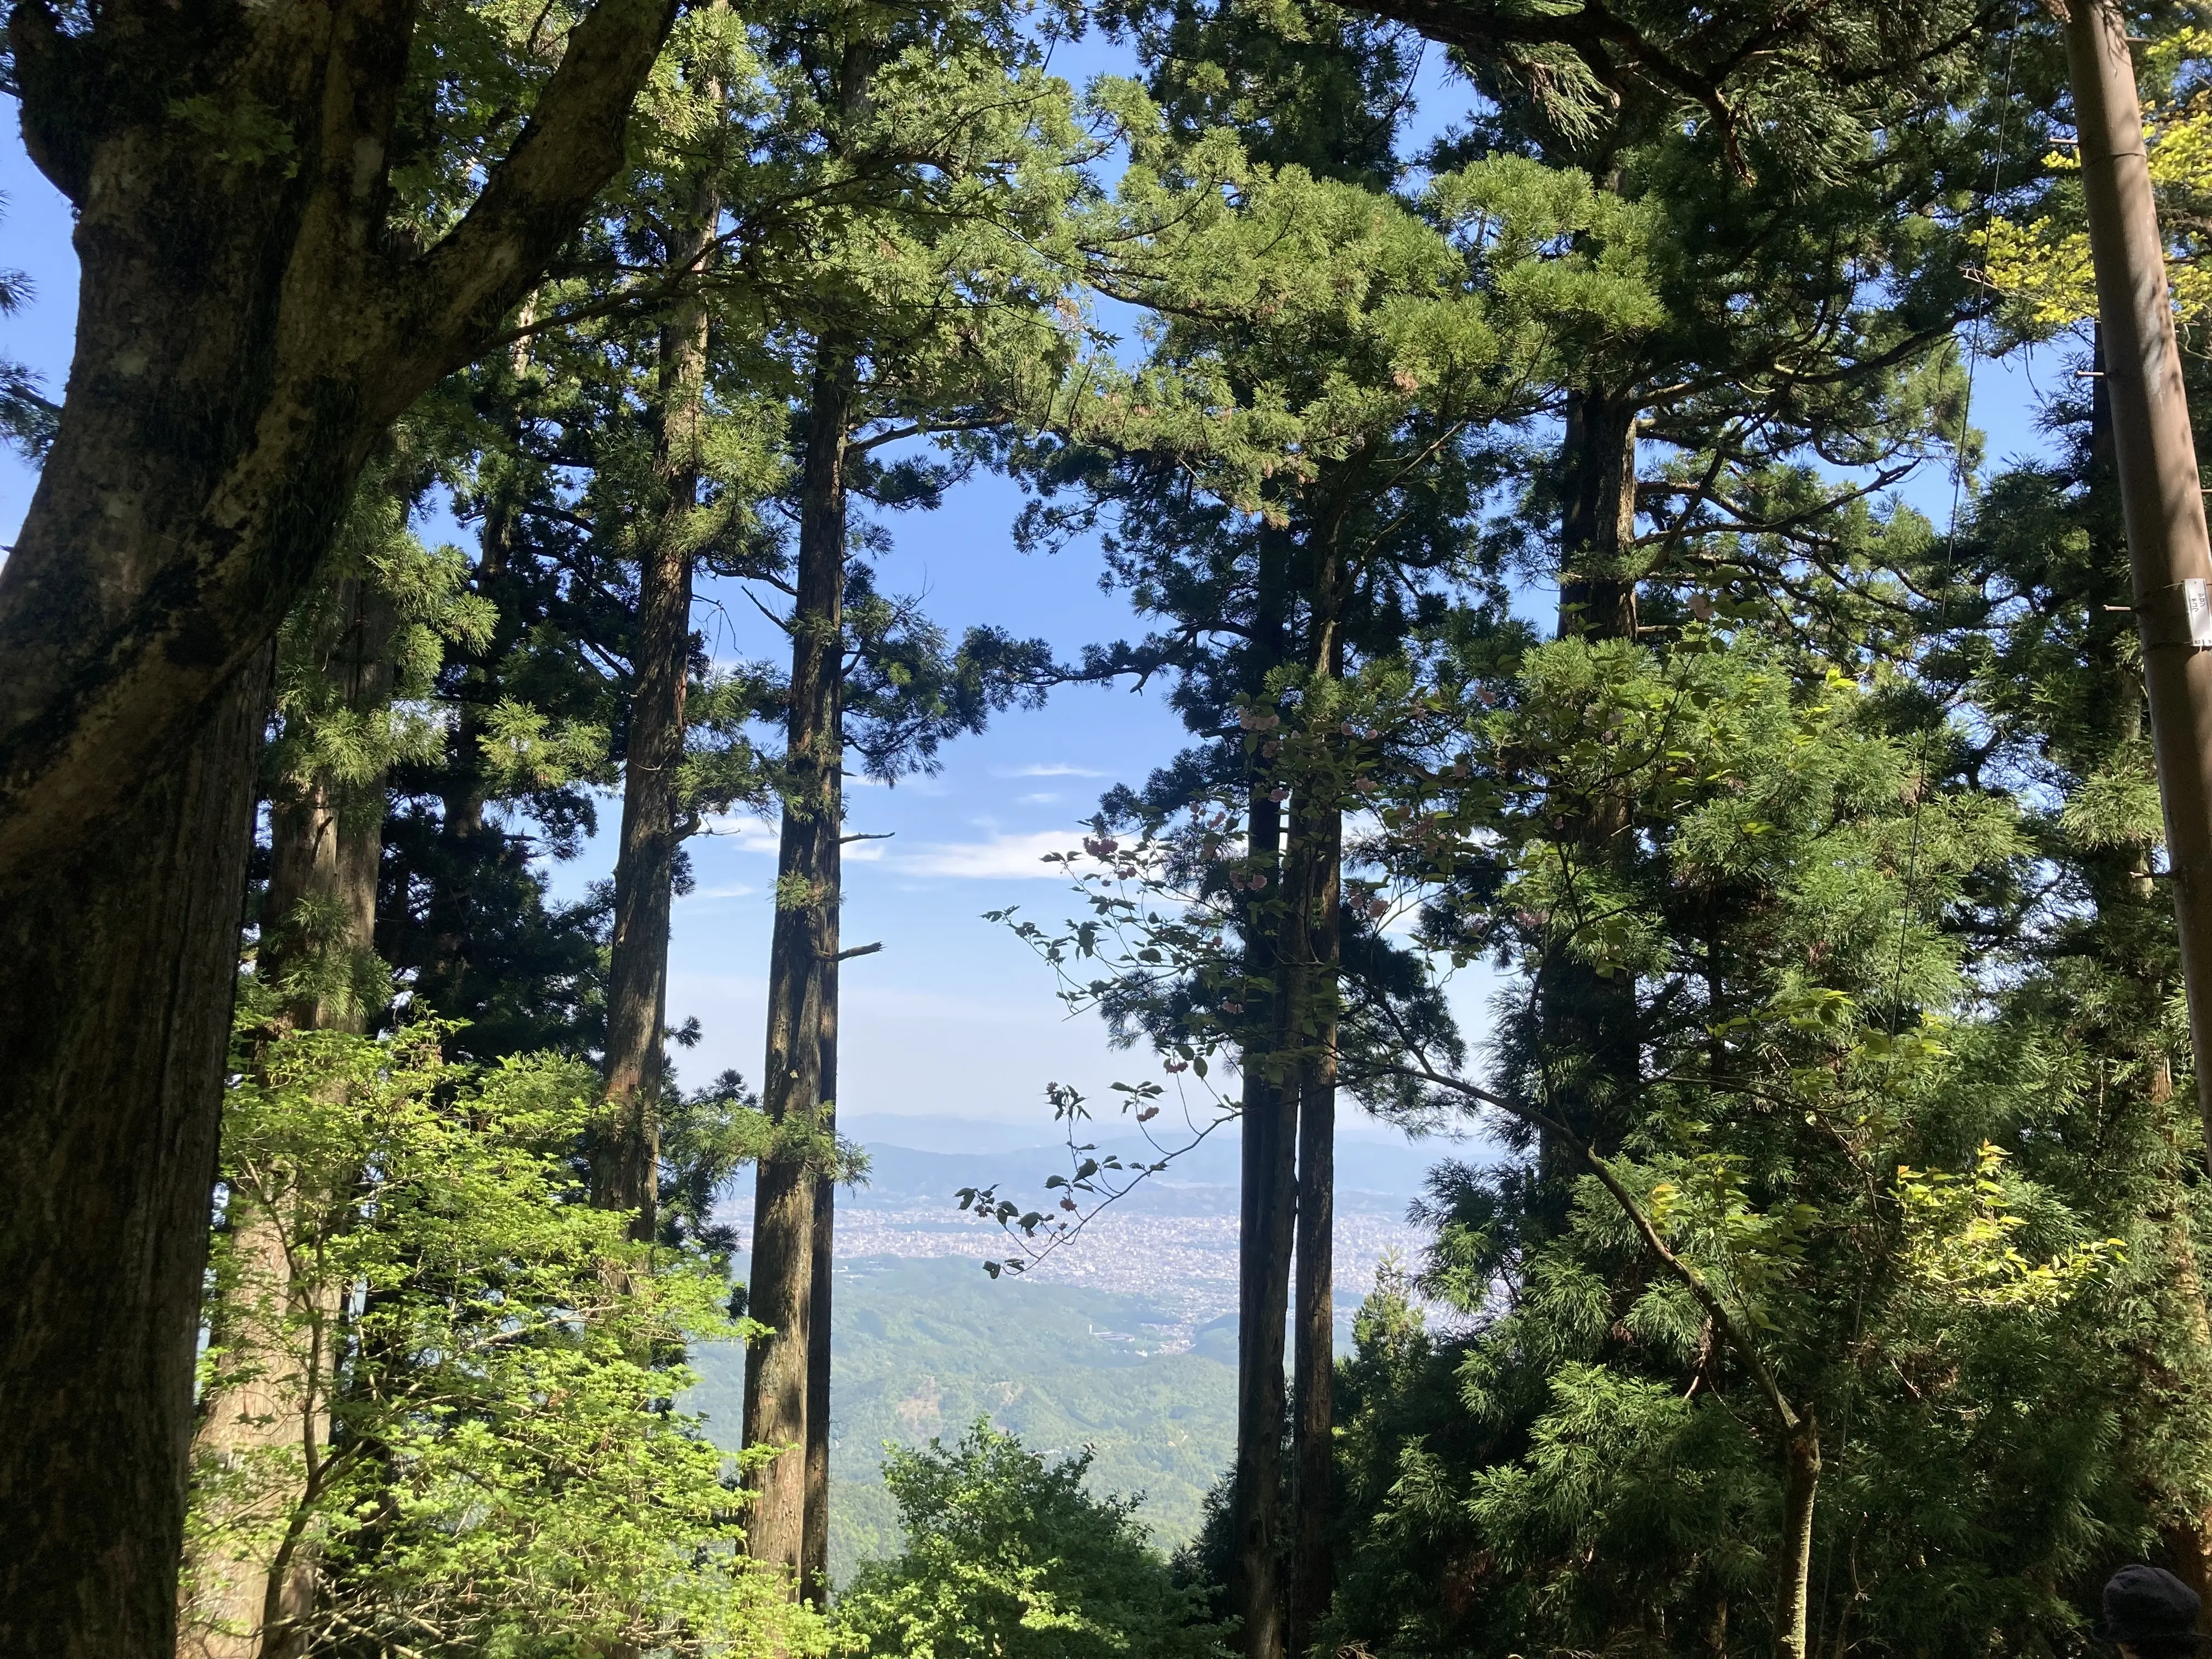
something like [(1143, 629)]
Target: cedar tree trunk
[(319, 924), (814, 1546), (803, 944), (626, 1161), (245, 329), (1269, 1186), (1597, 526), (1317, 858), (1588, 1020)]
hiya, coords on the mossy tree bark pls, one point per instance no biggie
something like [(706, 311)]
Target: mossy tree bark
[(246, 328)]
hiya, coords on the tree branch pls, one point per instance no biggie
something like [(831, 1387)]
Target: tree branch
[(461, 289)]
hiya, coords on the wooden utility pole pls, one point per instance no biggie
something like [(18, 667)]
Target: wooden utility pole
[(2161, 493)]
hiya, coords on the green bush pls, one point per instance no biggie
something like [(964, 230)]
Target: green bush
[(1009, 1557)]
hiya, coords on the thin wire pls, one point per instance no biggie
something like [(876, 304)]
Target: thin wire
[(1907, 905)]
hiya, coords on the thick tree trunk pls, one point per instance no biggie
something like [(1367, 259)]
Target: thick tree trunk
[(115, 997), (245, 331), (626, 1160), (1264, 1240), (2155, 456), (1266, 1223), (782, 1291), (1597, 575)]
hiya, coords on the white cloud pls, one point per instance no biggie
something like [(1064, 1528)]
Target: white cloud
[(1047, 770), (998, 859), (737, 891), (1045, 799)]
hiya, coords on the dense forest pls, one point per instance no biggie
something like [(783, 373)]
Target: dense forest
[(1536, 442)]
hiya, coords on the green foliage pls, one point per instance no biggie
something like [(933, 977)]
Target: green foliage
[(1007, 1555), (477, 1366), (27, 419), (1821, 1129), (1835, 1072)]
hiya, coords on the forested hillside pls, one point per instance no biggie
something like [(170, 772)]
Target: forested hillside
[(1626, 734), (928, 1348)]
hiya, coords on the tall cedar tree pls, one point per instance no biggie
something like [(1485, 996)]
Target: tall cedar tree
[(1323, 523), (258, 303), (931, 314)]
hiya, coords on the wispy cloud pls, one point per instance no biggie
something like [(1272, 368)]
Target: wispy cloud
[(1000, 858), (1044, 799), (738, 892), (1046, 770)]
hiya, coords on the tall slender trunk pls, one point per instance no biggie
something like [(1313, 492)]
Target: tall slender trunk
[(1800, 1487), (626, 1158), (1316, 883), (318, 925), (776, 1366), (814, 1550), (2155, 454), (1269, 1130)]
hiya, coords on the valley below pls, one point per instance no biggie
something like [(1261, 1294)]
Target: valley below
[(1121, 1342)]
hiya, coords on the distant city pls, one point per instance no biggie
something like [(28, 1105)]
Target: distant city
[(1183, 1262), (1173, 1241)]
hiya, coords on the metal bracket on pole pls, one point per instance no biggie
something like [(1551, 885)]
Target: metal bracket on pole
[(2179, 616)]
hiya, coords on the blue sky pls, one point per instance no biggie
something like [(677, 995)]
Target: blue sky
[(955, 1018)]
